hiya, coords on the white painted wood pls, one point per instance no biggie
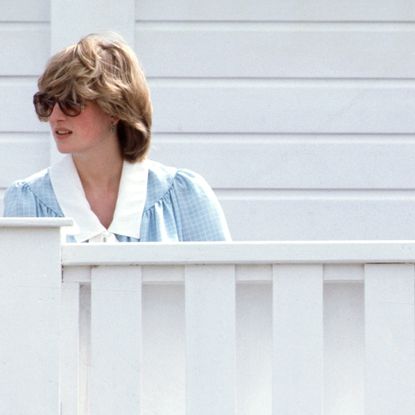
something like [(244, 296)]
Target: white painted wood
[(240, 325), (283, 106), (1, 201), (24, 10), (157, 274), (20, 158), (116, 341), (81, 275), (253, 273), (17, 114), (319, 216), (249, 10), (254, 348), (32, 225), (298, 339), (344, 272), (344, 353), (69, 347), (287, 162), (30, 319), (266, 50), (389, 339), (84, 343), (68, 25), (164, 355), (75, 340), (210, 340), (202, 95), (236, 253), (25, 48)]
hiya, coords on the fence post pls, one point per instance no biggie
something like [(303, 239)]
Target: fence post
[(389, 339), (30, 290)]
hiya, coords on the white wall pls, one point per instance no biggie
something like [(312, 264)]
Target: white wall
[(24, 46), (299, 114)]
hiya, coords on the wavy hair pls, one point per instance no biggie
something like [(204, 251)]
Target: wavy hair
[(104, 69)]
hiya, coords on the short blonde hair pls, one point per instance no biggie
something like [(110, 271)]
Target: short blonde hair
[(104, 69)]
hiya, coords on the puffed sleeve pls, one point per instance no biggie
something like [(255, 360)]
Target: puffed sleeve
[(198, 210), (19, 201)]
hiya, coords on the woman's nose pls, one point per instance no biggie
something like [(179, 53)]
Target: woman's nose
[(56, 113)]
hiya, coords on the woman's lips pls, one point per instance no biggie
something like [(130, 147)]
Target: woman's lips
[(62, 132)]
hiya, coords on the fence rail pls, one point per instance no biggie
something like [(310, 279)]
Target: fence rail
[(205, 328)]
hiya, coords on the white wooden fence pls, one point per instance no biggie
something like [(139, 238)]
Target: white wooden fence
[(204, 328)]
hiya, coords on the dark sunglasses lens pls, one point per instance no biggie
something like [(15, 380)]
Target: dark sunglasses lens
[(43, 105), (70, 108)]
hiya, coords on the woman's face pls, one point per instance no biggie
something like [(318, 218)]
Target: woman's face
[(90, 131)]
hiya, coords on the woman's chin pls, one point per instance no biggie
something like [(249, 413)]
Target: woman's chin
[(62, 149)]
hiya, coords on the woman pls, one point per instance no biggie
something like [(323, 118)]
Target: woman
[(96, 99)]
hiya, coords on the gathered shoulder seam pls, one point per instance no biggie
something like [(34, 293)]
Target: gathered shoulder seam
[(26, 185)]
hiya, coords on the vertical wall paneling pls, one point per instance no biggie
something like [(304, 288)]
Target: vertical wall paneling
[(210, 339), (116, 336), (390, 339), (298, 339)]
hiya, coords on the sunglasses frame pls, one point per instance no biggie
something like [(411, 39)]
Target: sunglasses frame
[(69, 107)]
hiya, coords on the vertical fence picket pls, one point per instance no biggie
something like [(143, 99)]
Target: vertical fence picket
[(298, 339), (30, 300), (70, 346), (390, 339), (116, 335), (210, 339)]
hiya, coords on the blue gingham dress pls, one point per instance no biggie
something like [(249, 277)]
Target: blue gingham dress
[(180, 206)]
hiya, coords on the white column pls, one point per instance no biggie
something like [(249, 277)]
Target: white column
[(30, 287), (73, 19), (298, 340), (116, 341), (390, 339), (210, 339)]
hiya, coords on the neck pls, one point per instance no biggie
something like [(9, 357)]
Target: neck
[(99, 170)]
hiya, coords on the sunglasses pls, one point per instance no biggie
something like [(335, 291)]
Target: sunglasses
[(44, 105)]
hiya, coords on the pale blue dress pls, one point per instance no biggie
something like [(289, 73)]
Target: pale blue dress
[(179, 206)]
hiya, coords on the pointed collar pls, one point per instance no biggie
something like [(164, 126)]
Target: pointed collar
[(72, 200)]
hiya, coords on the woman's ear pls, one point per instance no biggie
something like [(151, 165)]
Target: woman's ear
[(114, 120)]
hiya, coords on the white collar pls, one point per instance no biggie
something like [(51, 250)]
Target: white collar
[(72, 200)]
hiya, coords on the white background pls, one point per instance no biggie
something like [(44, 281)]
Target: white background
[(299, 114)]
